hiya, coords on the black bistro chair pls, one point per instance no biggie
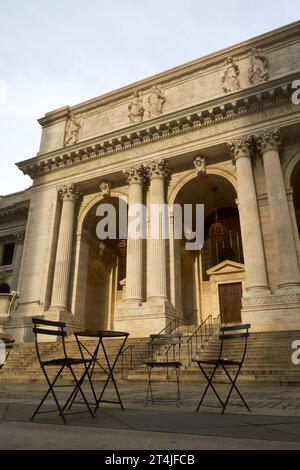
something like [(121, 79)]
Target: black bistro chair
[(167, 359), (234, 342), (56, 328)]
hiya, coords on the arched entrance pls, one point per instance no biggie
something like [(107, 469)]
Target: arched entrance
[(101, 270), (295, 178), (211, 279)]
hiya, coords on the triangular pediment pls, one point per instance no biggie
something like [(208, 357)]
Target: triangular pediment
[(226, 267)]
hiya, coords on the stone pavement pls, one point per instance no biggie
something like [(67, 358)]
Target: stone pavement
[(274, 422)]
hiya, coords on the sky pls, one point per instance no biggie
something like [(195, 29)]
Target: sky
[(55, 53)]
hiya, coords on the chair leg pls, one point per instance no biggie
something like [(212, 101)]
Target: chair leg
[(209, 384), (50, 389), (79, 389), (178, 398), (74, 394), (149, 387), (233, 386)]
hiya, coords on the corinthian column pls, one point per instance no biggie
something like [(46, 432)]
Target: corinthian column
[(19, 240), (255, 264), (157, 172), (69, 195), (282, 230), (134, 262)]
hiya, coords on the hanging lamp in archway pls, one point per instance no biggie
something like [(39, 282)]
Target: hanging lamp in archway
[(217, 230)]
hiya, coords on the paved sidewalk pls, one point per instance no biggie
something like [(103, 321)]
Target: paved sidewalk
[(274, 422)]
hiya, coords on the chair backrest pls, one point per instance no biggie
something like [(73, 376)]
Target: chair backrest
[(171, 341), (50, 328), (6, 346), (234, 339)]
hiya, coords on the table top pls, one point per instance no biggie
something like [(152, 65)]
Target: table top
[(101, 333)]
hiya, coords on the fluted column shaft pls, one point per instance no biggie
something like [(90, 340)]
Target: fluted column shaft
[(255, 264), (19, 239), (158, 258), (282, 229), (134, 262), (69, 195)]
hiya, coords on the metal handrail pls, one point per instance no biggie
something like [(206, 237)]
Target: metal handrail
[(189, 317), (168, 327), (130, 346), (204, 330)]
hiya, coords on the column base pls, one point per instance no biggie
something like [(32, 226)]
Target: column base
[(275, 312), (256, 292), (288, 287), (141, 320), (157, 299), (134, 301)]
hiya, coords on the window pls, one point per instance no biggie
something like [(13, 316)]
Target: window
[(8, 254)]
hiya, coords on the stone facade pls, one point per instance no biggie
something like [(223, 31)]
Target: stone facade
[(222, 131)]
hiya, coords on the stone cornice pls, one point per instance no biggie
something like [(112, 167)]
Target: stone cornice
[(242, 103), (279, 35), (17, 210)]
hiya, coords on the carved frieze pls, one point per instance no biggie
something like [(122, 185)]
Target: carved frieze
[(271, 300), (183, 125)]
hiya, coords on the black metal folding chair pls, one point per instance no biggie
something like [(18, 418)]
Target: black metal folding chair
[(58, 329), (238, 334), (172, 343)]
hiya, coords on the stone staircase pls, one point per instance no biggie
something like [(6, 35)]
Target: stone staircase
[(23, 366), (268, 360)]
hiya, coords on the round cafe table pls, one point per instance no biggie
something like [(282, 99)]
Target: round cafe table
[(109, 363)]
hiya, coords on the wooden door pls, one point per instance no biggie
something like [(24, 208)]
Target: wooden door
[(230, 299)]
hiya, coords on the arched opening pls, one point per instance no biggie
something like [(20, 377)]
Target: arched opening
[(222, 243), (295, 178), (102, 269), (4, 288)]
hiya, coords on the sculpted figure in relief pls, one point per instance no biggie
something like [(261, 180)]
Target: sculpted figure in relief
[(156, 101), (258, 72), (136, 109), (230, 77), (72, 130)]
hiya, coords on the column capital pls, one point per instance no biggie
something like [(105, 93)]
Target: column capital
[(268, 140), (69, 192), (135, 174), (19, 237), (158, 169), (240, 147)]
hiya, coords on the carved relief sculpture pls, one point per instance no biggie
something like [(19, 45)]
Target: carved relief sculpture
[(257, 71), (136, 109), (105, 188), (230, 77), (200, 165), (156, 102), (72, 130)]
